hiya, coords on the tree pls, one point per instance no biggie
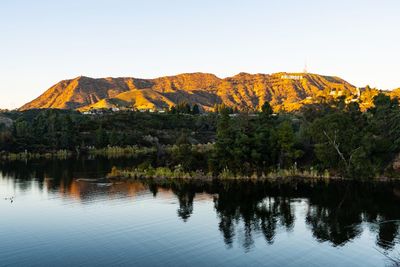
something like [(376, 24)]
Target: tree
[(183, 108), (172, 110), (222, 108), (195, 109), (264, 147), (101, 137), (382, 102), (384, 131), (22, 129), (266, 108), (68, 133), (222, 157), (182, 154), (286, 144), (6, 137), (114, 140), (341, 144)]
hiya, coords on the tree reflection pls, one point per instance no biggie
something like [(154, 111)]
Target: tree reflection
[(336, 226), (334, 212), (185, 209), (247, 209), (333, 216)]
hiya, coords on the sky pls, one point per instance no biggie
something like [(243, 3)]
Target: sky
[(43, 42)]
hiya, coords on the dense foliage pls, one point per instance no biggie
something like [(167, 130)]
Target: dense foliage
[(51, 129), (332, 136)]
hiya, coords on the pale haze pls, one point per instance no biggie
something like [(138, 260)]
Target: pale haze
[(43, 42)]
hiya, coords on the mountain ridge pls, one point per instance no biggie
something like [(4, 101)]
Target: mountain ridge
[(284, 91)]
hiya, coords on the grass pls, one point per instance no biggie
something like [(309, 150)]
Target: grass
[(199, 148), (178, 172), (120, 152), (60, 154), (295, 172), (109, 152), (160, 172)]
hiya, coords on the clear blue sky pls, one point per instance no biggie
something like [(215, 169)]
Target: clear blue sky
[(42, 42)]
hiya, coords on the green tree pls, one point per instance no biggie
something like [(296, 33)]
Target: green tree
[(114, 138), (285, 139), (68, 133), (22, 129), (182, 154), (340, 144), (222, 157), (266, 108), (101, 137), (195, 109), (264, 145)]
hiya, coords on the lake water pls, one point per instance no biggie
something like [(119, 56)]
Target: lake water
[(56, 213)]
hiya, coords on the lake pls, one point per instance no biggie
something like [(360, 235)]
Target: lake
[(62, 213)]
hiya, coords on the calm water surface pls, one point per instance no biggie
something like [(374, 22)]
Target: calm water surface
[(62, 215)]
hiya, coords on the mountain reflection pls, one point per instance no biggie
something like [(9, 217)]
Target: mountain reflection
[(334, 212)]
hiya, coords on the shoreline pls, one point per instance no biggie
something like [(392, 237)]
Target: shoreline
[(206, 178), (108, 152), (176, 172)]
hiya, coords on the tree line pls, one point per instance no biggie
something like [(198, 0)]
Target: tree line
[(331, 135)]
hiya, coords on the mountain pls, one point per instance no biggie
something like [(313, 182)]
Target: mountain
[(283, 90)]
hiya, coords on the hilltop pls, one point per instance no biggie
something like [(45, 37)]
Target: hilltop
[(284, 91)]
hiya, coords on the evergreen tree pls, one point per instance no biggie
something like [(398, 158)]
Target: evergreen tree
[(114, 140), (68, 134), (195, 109), (101, 137), (266, 109)]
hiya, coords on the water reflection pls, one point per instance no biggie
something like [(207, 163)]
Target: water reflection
[(334, 212)]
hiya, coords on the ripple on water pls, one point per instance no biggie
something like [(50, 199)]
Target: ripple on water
[(68, 222)]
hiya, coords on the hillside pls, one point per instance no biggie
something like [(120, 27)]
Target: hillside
[(287, 91)]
